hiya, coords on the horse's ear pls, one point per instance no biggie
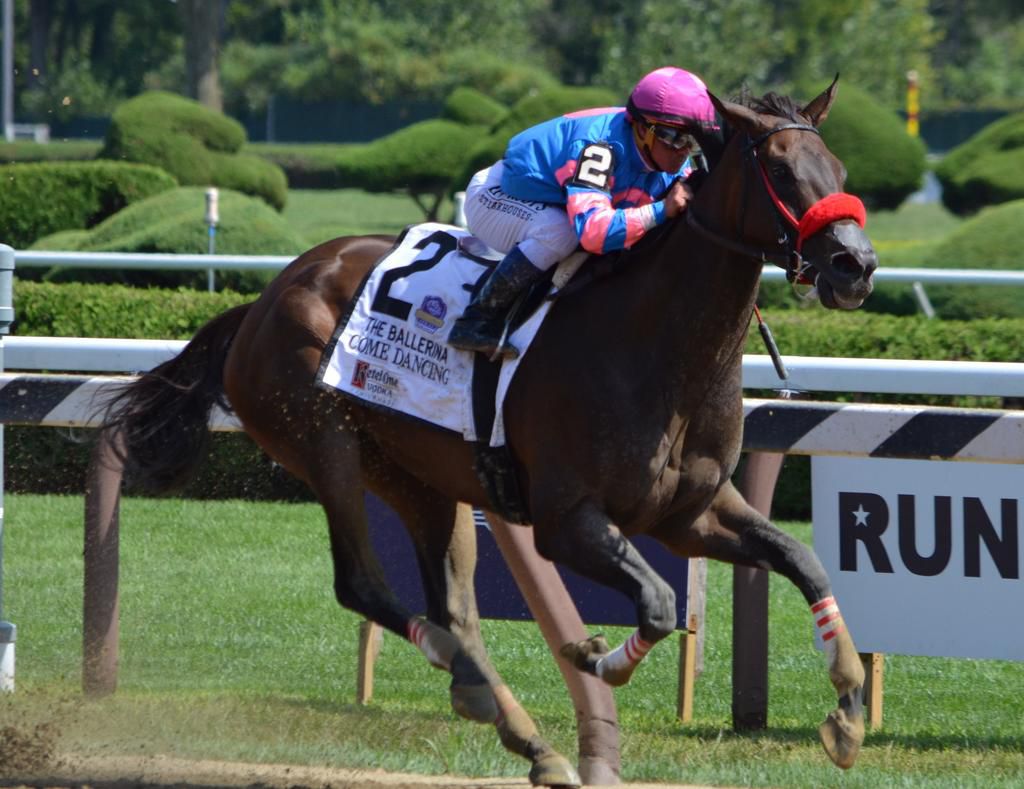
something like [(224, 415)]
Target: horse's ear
[(817, 110), (738, 116)]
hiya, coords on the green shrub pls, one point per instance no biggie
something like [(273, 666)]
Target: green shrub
[(884, 164), (986, 169), (865, 335), (418, 159), (987, 241), (37, 199), (48, 309), (195, 144), (44, 460), (473, 108), (53, 151), (306, 166), (173, 222), (526, 112)]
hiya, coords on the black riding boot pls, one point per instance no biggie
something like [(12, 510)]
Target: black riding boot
[(482, 324)]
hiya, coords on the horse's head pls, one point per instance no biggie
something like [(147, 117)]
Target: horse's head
[(789, 203)]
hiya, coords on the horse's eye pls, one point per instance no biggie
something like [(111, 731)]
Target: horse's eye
[(781, 172)]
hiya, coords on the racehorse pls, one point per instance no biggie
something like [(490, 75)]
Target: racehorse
[(625, 418)]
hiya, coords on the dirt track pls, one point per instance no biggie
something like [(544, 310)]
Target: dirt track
[(127, 772)]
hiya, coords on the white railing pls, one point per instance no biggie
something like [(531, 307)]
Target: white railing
[(156, 261), (806, 373)]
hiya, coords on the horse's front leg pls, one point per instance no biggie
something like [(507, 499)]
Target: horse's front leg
[(445, 538), (733, 531), (586, 541)]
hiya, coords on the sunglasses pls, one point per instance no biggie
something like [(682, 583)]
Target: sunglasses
[(675, 138)]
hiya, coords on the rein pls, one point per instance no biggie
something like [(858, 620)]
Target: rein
[(829, 209)]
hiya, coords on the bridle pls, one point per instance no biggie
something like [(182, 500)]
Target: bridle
[(829, 209)]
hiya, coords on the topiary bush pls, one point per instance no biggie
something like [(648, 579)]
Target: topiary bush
[(306, 166), (173, 222), (987, 241), (473, 108), (418, 159), (195, 144), (52, 151), (986, 169), (884, 164), (37, 199), (526, 112)]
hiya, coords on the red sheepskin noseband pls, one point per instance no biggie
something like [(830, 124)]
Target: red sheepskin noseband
[(831, 208)]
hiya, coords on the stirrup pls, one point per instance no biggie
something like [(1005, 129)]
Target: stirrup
[(504, 349)]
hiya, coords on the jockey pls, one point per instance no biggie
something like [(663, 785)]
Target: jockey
[(599, 178)]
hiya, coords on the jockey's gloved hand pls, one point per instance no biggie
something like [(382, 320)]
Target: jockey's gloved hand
[(696, 178)]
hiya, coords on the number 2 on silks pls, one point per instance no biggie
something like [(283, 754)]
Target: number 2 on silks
[(595, 167), (398, 308)]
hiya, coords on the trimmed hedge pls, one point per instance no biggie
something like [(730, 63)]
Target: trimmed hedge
[(195, 144), (46, 461), (884, 164), (173, 222), (53, 151), (418, 159), (472, 108), (48, 309), (986, 169), (305, 166), (40, 198), (526, 112), (987, 241)]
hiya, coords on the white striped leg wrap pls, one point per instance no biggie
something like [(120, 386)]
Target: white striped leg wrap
[(419, 633), (829, 623), (624, 656)]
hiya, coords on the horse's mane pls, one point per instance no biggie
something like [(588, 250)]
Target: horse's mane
[(772, 103)]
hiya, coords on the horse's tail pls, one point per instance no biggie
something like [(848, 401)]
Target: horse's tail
[(158, 423)]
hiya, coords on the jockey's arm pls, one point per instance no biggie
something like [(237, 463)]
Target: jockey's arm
[(603, 228)]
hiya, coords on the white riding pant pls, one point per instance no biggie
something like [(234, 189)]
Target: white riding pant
[(540, 230)]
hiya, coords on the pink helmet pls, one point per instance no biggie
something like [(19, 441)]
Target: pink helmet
[(674, 97)]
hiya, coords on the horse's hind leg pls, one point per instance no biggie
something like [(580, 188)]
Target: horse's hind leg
[(445, 538), (359, 582), (735, 532)]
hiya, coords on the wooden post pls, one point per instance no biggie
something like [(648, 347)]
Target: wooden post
[(597, 722), (691, 639), (750, 607), (370, 636), (100, 607), (874, 665)]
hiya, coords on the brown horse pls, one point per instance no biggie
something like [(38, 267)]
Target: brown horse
[(625, 417)]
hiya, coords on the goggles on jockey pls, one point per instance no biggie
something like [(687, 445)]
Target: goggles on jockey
[(675, 137)]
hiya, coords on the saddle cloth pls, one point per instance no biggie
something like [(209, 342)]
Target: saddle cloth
[(391, 348)]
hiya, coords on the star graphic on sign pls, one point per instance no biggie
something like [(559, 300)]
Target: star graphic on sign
[(861, 515)]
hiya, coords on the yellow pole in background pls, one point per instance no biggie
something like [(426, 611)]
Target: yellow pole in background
[(913, 103)]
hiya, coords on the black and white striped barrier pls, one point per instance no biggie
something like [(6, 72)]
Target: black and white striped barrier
[(795, 427)]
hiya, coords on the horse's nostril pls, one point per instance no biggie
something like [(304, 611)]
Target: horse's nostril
[(849, 267)]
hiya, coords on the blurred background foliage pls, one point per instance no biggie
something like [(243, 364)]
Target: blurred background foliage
[(83, 57)]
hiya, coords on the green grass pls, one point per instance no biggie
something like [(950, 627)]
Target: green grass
[(232, 647)]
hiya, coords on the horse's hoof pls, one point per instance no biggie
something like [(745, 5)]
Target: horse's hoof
[(585, 654), (474, 702), (554, 770), (842, 735), (597, 771)]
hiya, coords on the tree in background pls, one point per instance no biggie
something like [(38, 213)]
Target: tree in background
[(202, 25), (83, 57)]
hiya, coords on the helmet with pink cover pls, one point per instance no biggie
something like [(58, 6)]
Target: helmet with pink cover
[(674, 97)]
